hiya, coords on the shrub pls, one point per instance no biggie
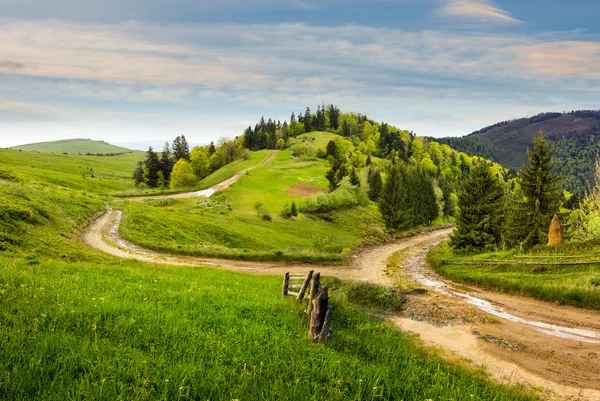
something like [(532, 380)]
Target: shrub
[(286, 212), (342, 198), (183, 174), (262, 212)]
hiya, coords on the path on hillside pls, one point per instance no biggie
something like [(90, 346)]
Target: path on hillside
[(209, 191)]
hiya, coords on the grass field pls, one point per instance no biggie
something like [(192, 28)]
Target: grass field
[(98, 174), (226, 225), (73, 147), (545, 278), (79, 324), (316, 139)]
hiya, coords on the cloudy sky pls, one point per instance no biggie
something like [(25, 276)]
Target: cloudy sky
[(132, 70)]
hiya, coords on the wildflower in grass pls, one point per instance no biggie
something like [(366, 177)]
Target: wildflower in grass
[(180, 388), (94, 327), (43, 315)]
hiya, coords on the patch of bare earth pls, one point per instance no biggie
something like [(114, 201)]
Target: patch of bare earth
[(303, 190)]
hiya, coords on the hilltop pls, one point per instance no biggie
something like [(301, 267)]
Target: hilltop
[(575, 135), (74, 146)]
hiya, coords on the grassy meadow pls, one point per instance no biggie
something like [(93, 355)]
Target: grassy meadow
[(78, 324), (73, 147), (544, 278), (227, 225)]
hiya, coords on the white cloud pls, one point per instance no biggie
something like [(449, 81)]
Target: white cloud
[(475, 10)]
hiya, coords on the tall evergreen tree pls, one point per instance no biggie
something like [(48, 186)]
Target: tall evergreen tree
[(334, 117), (138, 173), (166, 162), (531, 212), (211, 148), (308, 125), (152, 165), (332, 149), (181, 149), (346, 129), (375, 184), (354, 179), (392, 199), (481, 201)]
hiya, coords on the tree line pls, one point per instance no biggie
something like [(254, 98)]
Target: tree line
[(177, 166)]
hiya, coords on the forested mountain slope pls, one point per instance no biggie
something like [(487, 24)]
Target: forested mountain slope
[(575, 135)]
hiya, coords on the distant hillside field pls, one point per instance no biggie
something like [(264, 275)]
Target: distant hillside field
[(576, 136), (74, 146)]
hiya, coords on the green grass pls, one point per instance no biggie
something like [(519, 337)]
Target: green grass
[(565, 284), (73, 147), (127, 330), (79, 324), (227, 224), (86, 173), (316, 139)]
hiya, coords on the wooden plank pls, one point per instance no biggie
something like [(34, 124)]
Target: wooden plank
[(315, 286), (292, 293), (286, 282), (305, 286)]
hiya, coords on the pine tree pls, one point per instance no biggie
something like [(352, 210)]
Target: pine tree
[(541, 193), (334, 116), (481, 201), (346, 129), (166, 162), (211, 149), (369, 161), (138, 173), (332, 149), (181, 149), (152, 165), (392, 198), (375, 185), (294, 209), (354, 179)]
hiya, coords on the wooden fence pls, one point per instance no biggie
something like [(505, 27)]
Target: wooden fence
[(318, 308)]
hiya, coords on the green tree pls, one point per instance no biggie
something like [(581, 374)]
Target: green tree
[(166, 162), (375, 184), (183, 174), (392, 199), (531, 211), (200, 161), (294, 209), (152, 167), (181, 149), (138, 173), (481, 203), (354, 179)]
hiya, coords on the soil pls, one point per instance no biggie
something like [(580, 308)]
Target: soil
[(441, 313), (303, 190)]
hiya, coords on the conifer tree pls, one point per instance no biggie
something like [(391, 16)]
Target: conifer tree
[(375, 184), (294, 209), (392, 198), (138, 173), (531, 211), (481, 201), (166, 162), (152, 165), (354, 179), (181, 149), (211, 149)]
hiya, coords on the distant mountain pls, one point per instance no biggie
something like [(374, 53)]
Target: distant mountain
[(576, 136), (156, 145), (74, 146)]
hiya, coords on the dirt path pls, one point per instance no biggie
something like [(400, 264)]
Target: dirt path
[(209, 191), (512, 352)]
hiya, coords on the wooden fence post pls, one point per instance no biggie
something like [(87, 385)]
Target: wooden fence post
[(318, 316), (326, 330), (315, 286), (304, 286), (286, 283)]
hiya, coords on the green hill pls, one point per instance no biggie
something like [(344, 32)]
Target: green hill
[(74, 146), (576, 136)]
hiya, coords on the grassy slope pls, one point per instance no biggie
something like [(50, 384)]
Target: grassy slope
[(78, 324), (227, 225), (111, 173), (73, 146), (316, 139), (577, 285)]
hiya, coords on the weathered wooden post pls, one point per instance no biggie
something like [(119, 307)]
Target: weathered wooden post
[(304, 286), (318, 330), (286, 283), (326, 330), (315, 286)]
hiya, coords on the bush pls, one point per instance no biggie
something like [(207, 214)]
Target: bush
[(286, 212), (262, 212), (183, 175), (342, 198)]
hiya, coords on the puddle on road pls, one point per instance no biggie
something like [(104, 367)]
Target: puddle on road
[(205, 192), (423, 275)]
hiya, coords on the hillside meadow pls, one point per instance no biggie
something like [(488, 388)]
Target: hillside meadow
[(551, 272), (79, 324)]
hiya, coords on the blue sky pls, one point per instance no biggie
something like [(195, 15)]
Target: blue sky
[(133, 70)]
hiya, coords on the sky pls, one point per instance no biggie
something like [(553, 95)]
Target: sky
[(150, 70)]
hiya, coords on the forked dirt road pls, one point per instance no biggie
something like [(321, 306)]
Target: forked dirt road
[(552, 349)]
